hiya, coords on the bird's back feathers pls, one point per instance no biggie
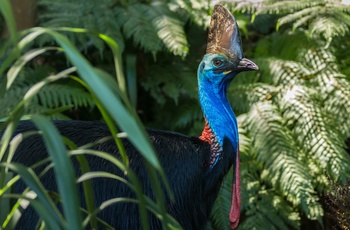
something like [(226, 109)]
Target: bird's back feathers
[(184, 159)]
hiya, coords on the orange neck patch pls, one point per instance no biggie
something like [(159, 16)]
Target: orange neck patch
[(206, 134)]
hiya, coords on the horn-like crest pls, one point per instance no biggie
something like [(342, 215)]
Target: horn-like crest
[(223, 37)]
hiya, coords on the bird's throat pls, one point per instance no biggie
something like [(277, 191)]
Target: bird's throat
[(215, 148)]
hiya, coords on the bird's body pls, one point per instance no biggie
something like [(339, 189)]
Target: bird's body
[(194, 166), (186, 167)]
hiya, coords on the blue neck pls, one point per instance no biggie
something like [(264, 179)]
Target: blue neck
[(217, 110)]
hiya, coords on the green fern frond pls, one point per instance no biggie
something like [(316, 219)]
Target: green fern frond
[(250, 7), (342, 8), (278, 7), (310, 130), (267, 214), (299, 16), (248, 94), (91, 15), (329, 28), (279, 153), (301, 21), (333, 87), (138, 26), (48, 94), (338, 101), (310, 64), (288, 73), (57, 95), (108, 22), (248, 155), (49, 98), (319, 58), (152, 26), (245, 145), (264, 208), (323, 18), (221, 209), (170, 80), (170, 31), (12, 98), (197, 11)]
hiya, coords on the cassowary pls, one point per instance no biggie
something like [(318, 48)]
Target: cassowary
[(194, 167)]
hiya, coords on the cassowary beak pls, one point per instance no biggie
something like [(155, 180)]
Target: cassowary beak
[(224, 38), (246, 64)]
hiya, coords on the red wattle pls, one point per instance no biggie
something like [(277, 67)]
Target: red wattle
[(236, 195), (206, 134)]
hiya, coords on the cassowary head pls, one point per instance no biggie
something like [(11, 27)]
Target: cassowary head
[(224, 58)]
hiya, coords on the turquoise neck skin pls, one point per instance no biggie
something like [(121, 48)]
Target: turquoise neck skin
[(212, 89)]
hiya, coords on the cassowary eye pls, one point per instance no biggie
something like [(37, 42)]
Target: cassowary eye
[(217, 62)]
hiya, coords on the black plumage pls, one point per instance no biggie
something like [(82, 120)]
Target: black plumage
[(195, 189)]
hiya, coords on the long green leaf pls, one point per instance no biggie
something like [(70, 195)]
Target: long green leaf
[(34, 183), (87, 185), (64, 172)]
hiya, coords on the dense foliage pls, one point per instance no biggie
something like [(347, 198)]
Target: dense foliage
[(293, 114), (63, 210)]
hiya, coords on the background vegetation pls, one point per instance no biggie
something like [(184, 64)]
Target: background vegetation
[(293, 113)]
